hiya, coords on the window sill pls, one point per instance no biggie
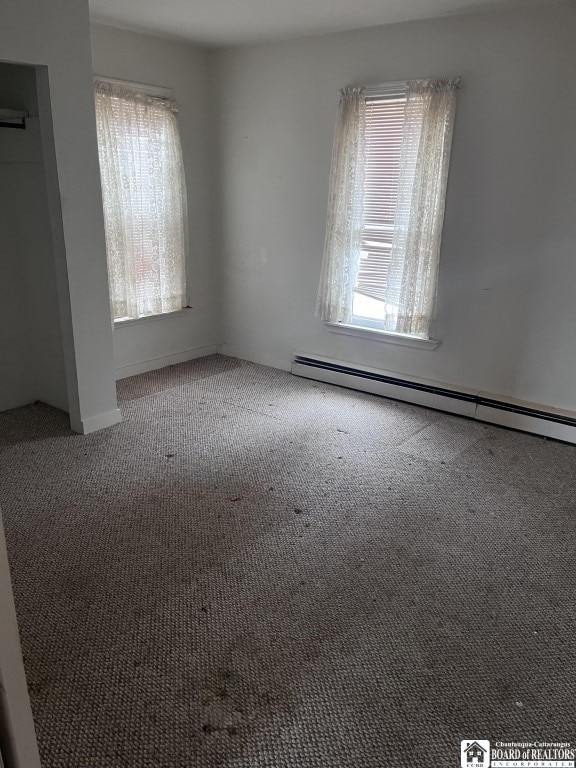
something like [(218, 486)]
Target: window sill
[(383, 336), (151, 318)]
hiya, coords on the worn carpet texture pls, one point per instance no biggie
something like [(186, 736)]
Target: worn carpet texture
[(258, 571)]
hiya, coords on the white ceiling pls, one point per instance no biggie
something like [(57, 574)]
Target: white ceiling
[(231, 22)]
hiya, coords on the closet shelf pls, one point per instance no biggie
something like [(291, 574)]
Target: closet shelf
[(13, 118)]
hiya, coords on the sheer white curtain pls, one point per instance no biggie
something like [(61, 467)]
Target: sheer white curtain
[(345, 204), (144, 198), (424, 162)]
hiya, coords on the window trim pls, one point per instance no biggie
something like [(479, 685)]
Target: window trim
[(151, 318), (387, 337)]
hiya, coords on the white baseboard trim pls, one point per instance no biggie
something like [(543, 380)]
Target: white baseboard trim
[(254, 357), (94, 423), (125, 371), (486, 407)]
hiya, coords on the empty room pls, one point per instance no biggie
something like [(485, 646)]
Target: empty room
[(287, 383)]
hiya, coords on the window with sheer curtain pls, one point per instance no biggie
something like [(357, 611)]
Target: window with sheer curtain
[(386, 206), (144, 199)]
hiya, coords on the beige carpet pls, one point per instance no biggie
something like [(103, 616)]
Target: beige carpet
[(258, 571)]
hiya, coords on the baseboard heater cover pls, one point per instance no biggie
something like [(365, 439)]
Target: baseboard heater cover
[(526, 417)]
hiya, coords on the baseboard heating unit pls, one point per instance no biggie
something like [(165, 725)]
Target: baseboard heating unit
[(482, 406)]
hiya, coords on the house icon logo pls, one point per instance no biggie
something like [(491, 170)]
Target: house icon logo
[(475, 754)]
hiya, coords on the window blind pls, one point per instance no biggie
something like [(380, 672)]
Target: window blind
[(385, 119)]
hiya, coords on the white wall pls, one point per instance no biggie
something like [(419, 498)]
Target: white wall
[(55, 37), (31, 350), (507, 314), (156, 61)]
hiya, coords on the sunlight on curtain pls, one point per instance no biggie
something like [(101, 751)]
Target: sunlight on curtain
[(144, 199), (424, 162), (345, 204)]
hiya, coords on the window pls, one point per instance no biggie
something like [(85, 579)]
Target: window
[(386, 206), (144, 199), (384, 129)]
